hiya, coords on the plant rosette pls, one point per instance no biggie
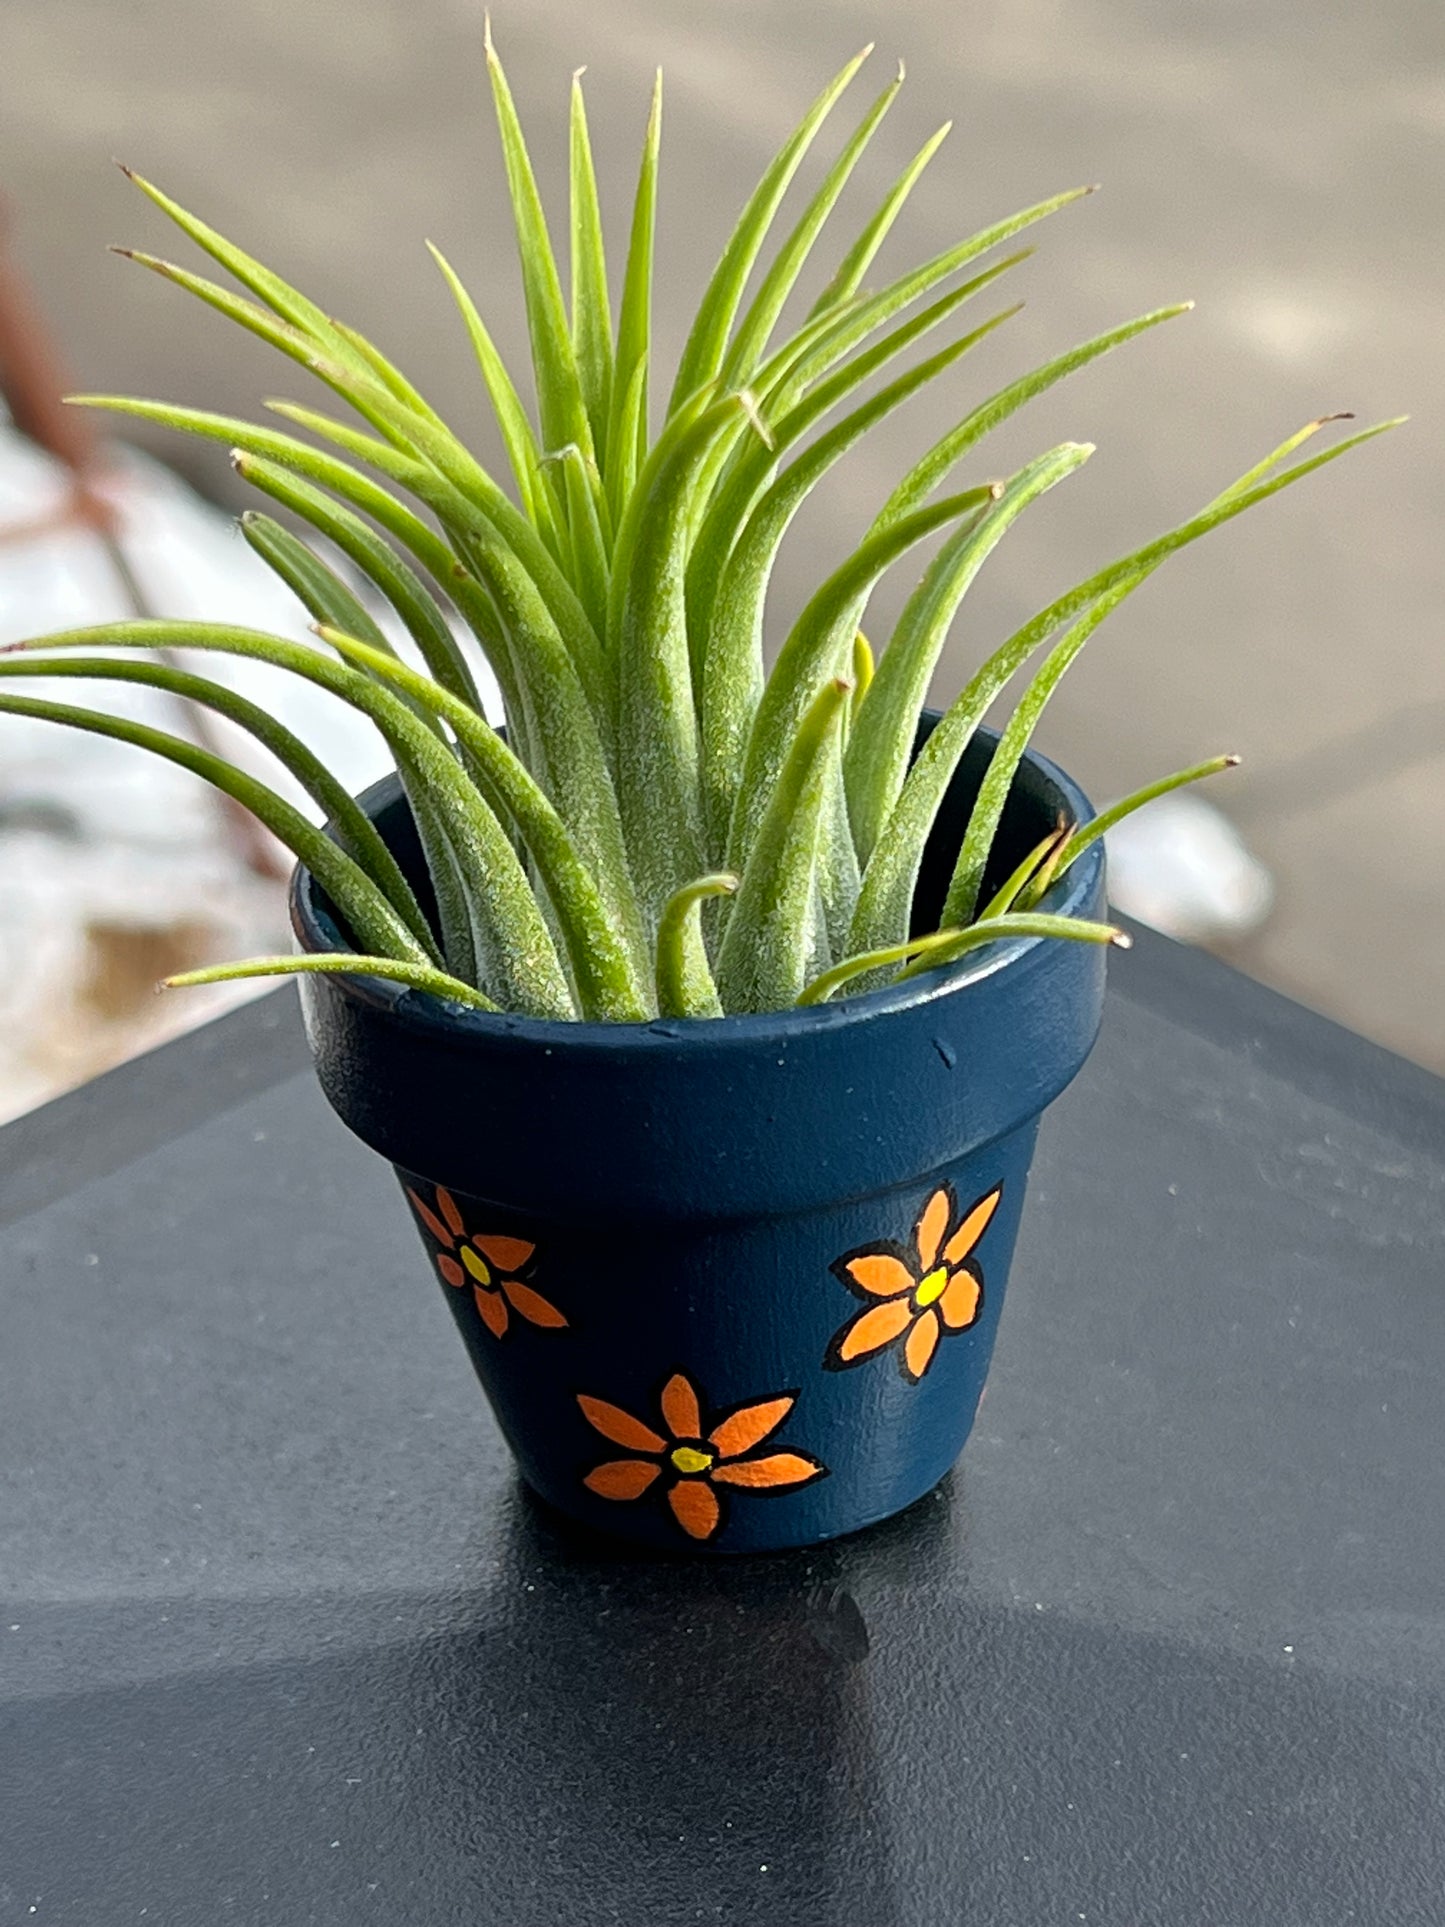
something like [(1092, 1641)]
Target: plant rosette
[(733, 1283)]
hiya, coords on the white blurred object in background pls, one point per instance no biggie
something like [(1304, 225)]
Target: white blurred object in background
[(1180, 866)]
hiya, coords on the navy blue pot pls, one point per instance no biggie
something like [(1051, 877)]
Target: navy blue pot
[(729, 1284)]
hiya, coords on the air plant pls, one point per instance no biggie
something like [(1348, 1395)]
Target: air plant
[(666, 826)]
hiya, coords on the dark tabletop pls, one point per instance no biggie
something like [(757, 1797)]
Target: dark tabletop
[(284, 1642)]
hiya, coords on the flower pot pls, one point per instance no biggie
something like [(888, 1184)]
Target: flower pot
[(729, 1284)]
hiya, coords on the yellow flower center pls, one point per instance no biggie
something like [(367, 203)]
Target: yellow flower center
[(476, 1265), (689, 1459), (933, 1287)]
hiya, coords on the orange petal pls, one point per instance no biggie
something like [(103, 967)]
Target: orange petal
[(880, 1273), (493, 1309), (621, 1478), (507, 1254), (777, 1468), (532, 1305), (932, 1223), (695, 1507), (919, 1346), (679, 1408), (962, 1297), (619, 1426), (871, 1330), (742, 1430), (430, 1219), (972, 1228), (450, 1270), (447, 1205)]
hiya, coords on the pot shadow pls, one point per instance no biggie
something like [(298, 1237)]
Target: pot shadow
[(677, 1739)]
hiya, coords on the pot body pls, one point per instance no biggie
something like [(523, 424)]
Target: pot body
[(730, 1285)]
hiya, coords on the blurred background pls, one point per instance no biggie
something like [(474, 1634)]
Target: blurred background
[(1281, 164)]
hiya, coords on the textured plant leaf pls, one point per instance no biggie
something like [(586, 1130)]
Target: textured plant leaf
[(946, 946), (1029, 880), (860, 257), (750, 471), (657, 737), (591, 570), (338, 963), (506, 538), (685, 986), (591, 309), (361, 901), (926, 474), (326, 598), (891, 871), (961, 903), (603, 962), (818, 647), (730, 660), (763, 961), (514, 947), (880, 743), (425, 622), (560, 399), (756, 327), (523, 454), (350, 824), (627, 433), (702, 356), (1079, 840), (1011, 928), (831, 336)]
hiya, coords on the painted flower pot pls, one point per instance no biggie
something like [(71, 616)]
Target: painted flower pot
[(731, 1284)]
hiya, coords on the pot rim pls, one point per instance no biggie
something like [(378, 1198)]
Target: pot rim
[(423, 1012)]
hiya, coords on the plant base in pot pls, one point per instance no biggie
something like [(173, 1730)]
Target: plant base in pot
[(731, 1284)]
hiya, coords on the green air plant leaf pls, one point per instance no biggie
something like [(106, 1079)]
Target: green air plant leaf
[(819, 646), (360, 900), (763, 961), (338, 963), (591, 311), (516, 429), (658, 824), (702, 356), (1075, 842), (860, 256), (886, 898), (350, 826), (880, 744), (942, 947), (756, 326), (515, 952), (561, 402), (685, 986), (627, 424)]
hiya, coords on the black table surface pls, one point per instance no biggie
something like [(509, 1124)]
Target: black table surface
[(285, 1642)]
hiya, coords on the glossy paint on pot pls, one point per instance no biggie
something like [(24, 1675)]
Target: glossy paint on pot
[(731, 1284)]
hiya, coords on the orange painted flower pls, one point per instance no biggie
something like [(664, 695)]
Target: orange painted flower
[(917, 1295), (695, 1462), (489, 1264)]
